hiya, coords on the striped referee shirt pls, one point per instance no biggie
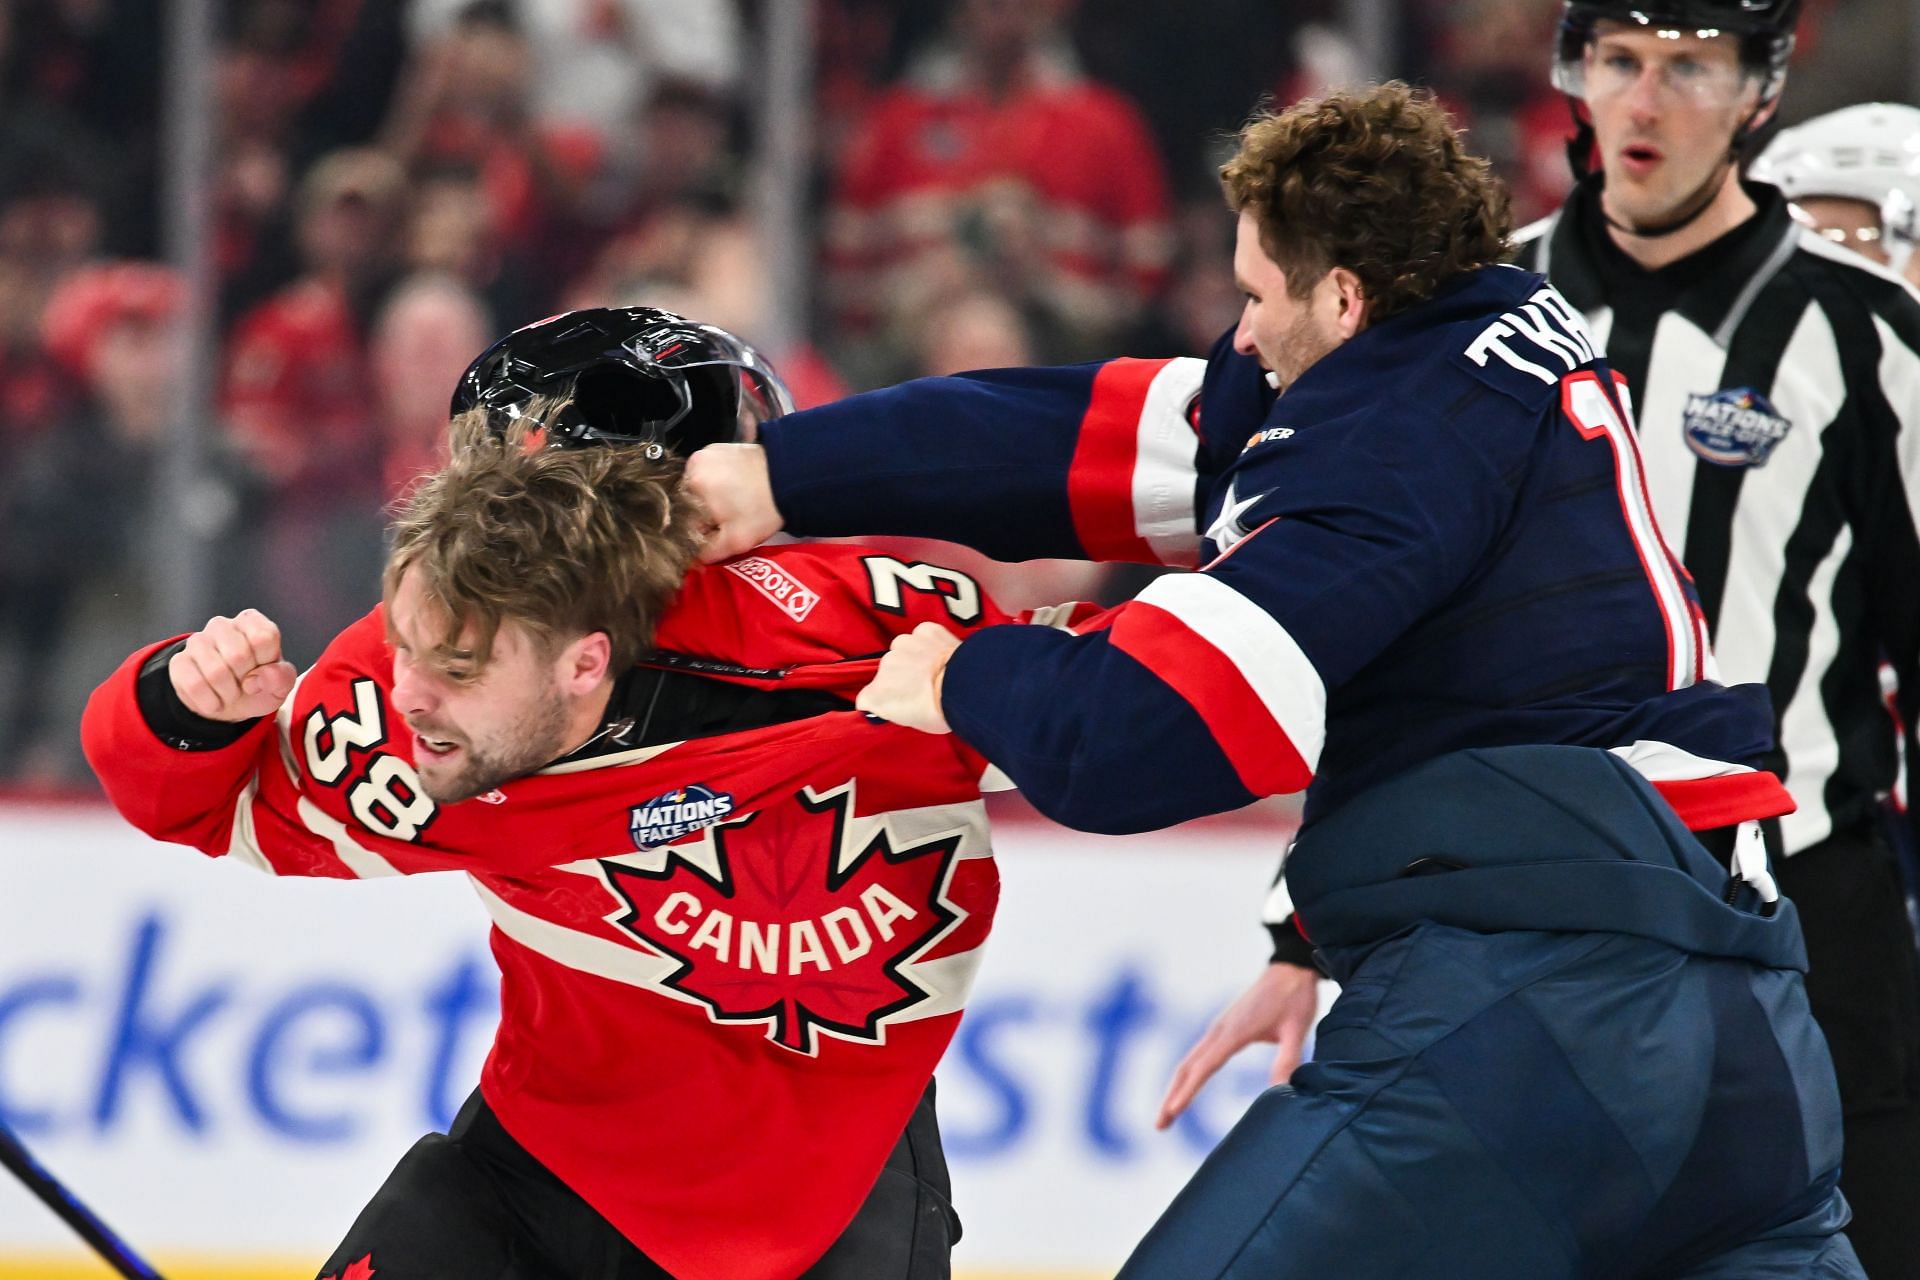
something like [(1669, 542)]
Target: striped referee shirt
[(1776, 379)]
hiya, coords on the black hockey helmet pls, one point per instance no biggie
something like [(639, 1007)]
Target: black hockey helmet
[(1764, 27), (635, 375)]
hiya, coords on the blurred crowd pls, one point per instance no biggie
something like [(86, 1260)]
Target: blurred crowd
[(395, 182)]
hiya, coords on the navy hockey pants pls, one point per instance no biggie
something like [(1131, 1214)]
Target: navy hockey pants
[(1530, 1106)]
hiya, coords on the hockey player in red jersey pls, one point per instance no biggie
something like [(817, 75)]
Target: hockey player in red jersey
[(736, 920)]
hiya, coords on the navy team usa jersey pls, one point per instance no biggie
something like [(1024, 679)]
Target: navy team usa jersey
[(1438, 538)]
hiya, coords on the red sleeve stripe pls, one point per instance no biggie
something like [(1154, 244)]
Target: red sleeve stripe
[(1707, 793), (1163, 474), (1262, 651), (1707, 803), (1130, 485), (1257, 694)]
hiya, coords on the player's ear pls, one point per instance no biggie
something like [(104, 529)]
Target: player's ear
[(1351, 315), (584, 662)]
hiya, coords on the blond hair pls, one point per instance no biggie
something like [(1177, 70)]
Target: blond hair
[(1376, 181), (563, 542)]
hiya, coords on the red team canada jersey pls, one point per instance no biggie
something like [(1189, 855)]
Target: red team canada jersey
[(728, 965)]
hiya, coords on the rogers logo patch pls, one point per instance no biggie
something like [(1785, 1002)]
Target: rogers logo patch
[(777, 585)]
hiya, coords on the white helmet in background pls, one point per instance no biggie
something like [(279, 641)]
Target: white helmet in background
[(1869, 153)]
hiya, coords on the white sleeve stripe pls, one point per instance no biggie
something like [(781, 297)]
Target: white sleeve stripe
[(995, 779), (283, 722), (583, 951), (1164, 468), (244, 843), (1658, 761), (1266, 656), (1059, 617), (363, 862)]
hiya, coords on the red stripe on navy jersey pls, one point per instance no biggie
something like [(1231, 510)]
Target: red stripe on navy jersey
[(1255, 744), (1708, 803), (1100, 479)]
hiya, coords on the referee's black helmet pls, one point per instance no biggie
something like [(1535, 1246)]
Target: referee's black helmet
[(1764, 27)]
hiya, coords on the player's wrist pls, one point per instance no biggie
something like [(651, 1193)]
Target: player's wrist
[(939, 684), (168, 715)]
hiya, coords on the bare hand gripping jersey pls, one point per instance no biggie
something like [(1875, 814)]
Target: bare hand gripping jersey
[(729, 964)]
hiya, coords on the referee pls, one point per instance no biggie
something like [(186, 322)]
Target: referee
[(1777, 382)]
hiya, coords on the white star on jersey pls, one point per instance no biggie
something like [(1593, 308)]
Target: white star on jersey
[(1226, 528)]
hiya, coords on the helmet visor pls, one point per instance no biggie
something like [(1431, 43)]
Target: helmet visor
[(633, 388), (760, 394), (1700, 67)]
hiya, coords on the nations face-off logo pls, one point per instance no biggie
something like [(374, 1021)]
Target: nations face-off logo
[(787, 921), (666, 818), (1737, 427)]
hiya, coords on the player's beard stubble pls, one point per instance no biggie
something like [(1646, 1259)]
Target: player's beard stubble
[(535, 737), (1300, 347)]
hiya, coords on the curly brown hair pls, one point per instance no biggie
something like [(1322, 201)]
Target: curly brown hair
[(564, 542), (1376, 181)]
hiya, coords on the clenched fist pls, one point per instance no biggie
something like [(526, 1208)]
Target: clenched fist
[(231, 669), (732, 484), (906, 688)]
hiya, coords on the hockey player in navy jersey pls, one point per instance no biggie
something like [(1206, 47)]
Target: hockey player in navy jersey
[(1573, 1038)]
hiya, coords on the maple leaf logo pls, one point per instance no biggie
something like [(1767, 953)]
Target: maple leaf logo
[(361, 1270), (790, 924)]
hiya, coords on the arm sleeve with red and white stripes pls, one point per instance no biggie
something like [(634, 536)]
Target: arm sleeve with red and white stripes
[(1211, 689), (242, 794), (206, 797), (1083, 462)]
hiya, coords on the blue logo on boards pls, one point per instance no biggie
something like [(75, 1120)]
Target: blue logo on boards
[(1737, 427), (666, 818)]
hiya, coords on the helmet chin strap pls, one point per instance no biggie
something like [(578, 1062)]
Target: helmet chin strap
[(1703, 196), (1692, 207)]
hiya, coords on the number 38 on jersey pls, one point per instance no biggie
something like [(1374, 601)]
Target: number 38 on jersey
[(386, 795)]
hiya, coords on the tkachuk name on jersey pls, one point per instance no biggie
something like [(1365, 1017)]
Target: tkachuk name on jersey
[(1737, 427), (777, 585), (788, 948), (1546, 325), (1271, 433), (666, 818)]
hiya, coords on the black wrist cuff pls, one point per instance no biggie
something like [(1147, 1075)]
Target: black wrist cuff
[(1289, 947), (169, 717)]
